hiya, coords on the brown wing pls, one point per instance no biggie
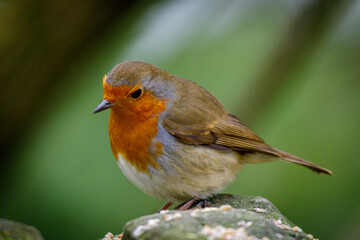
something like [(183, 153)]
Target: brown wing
[(235, 135), (231, 133)]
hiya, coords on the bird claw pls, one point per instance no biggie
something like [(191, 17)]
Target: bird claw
[(203, 204), (200, 203)]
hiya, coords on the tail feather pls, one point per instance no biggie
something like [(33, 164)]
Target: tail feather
[(294, 159)]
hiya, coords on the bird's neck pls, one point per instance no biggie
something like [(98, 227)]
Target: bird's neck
[(132, 134)]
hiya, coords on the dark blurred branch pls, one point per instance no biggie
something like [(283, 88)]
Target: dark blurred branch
[(304, 35), (39, 41)]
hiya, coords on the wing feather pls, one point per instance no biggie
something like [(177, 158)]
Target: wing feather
[(232, 134), (235, 135)]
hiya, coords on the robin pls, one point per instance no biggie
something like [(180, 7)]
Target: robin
[(173, 139)]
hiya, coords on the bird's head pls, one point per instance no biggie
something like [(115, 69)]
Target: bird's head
[(136, 88)]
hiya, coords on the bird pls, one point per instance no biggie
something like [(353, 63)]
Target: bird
[(173, 139)]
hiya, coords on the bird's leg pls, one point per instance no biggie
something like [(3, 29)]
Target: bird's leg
[(186, 205), (166, 206)]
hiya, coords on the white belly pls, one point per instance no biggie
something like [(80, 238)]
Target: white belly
[(185, 174)]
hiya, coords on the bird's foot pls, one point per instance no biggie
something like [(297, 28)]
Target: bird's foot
[(200, 203)]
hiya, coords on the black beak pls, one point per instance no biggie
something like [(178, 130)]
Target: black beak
[(102, 106)]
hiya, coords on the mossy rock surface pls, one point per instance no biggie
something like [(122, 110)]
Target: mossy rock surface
[(230, 217), (257, 205), (10, 230)]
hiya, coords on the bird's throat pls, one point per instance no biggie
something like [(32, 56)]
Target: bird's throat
[(133, 133)]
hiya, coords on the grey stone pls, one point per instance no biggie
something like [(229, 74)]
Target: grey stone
[(10, 230), (230, 217)]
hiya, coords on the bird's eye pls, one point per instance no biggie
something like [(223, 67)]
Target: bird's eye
[(136, 94)]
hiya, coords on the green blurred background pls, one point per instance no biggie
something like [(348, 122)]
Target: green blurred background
[(288, 69)]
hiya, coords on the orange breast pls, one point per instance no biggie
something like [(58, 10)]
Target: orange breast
[(133, 128)]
